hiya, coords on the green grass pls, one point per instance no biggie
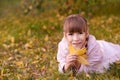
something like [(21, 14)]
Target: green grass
[(28, 46)]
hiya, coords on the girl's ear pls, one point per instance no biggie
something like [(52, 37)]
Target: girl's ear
[(87, 33)]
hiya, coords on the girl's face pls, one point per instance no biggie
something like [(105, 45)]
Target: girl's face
[(76, 39)]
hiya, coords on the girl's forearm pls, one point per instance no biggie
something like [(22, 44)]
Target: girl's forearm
[(67, 66)]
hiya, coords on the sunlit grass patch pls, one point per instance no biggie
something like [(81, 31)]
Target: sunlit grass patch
[(29, 47)]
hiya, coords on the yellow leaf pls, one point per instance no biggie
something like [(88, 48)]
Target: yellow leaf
[(44, 79), (43, 68), (19, 63), (27, 45), (44, 27), (46, 38), (12, 39), (2, 72), (77, 51), (80, 53), (71, 49), (34, 62), (82, 60), (30, 7), (6, 46)]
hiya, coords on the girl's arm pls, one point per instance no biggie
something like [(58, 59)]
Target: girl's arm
[(71, 61), (61, 57), (65, 59)]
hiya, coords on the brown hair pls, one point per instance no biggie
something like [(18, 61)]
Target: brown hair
[(75, 23)]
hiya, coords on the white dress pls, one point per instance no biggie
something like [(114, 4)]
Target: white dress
[(100, 55)]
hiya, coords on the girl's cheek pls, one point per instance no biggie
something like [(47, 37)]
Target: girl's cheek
[(70, 41)]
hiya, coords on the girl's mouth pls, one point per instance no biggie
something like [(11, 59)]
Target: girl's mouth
[(76, 43)]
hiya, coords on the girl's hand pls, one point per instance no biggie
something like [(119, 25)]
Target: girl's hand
[(71, 60)]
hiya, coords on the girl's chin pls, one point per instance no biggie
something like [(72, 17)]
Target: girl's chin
[(76, 46)]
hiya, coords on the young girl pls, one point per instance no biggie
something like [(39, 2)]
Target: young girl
[(99, 54)]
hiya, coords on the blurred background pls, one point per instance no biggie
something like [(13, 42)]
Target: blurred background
[(31, 29)]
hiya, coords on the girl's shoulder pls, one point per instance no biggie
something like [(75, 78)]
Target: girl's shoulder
[(63, 43), (109, 46), (92, 41)]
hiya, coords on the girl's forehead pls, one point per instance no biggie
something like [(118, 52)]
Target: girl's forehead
[(74, 26), (76, 29)]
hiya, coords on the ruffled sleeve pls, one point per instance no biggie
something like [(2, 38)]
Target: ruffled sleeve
[(61, 54), (95, 57), (111, 53), (100, 55)]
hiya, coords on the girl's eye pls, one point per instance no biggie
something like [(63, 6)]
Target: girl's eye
[(70, 34), (80, 32)]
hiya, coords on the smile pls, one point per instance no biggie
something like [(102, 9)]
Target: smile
[(76, 43)]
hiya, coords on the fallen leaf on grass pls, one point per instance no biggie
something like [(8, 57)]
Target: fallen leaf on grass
[(19, 63)]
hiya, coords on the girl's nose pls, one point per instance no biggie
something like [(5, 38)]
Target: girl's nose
[(76, 37)]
